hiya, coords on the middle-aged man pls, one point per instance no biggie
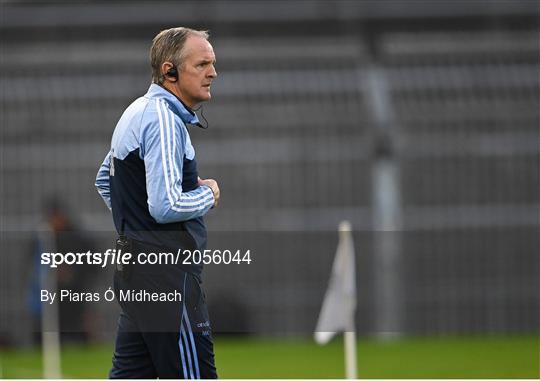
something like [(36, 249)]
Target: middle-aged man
[(150, 182)]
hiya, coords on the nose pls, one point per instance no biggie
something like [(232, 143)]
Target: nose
[(212, 73)]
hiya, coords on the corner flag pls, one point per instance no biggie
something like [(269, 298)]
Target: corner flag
[(339, 305)]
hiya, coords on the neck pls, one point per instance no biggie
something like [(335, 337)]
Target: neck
[(171, 89)]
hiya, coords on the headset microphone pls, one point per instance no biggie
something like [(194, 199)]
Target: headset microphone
[(173, 73)]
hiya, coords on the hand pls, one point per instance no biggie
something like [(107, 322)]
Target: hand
[(214, 186)]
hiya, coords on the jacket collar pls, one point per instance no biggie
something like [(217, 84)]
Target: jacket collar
[(177, 106)]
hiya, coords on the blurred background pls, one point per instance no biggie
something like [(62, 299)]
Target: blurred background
[(417, 121)]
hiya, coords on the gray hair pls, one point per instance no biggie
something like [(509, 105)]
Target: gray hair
[(168, 45)]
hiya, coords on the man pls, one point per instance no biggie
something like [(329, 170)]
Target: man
[(64, 234), (149, 180)]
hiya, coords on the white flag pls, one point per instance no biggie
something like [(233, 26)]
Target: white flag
[(339, 305)]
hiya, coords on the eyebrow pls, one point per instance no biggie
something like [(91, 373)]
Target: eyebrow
[(205, 61)]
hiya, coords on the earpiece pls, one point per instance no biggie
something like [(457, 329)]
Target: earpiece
[(172, 72)]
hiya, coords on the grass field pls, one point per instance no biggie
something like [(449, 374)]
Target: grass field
[(459, 357)]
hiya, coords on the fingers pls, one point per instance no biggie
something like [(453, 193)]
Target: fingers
[(213, 186), (215, 190), (216, 195)]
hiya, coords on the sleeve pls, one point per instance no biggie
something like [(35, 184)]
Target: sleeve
[(163, 147), (102, 180)]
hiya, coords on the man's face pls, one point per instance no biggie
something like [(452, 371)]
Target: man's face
[(197, 72)]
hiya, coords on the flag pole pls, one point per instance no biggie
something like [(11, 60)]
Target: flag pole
[(351, 368), (349, 340), (50, 326)]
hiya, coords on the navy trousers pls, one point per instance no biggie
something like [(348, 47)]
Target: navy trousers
[(162, 339)]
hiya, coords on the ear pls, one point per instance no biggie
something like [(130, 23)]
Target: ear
[(169, 71)]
